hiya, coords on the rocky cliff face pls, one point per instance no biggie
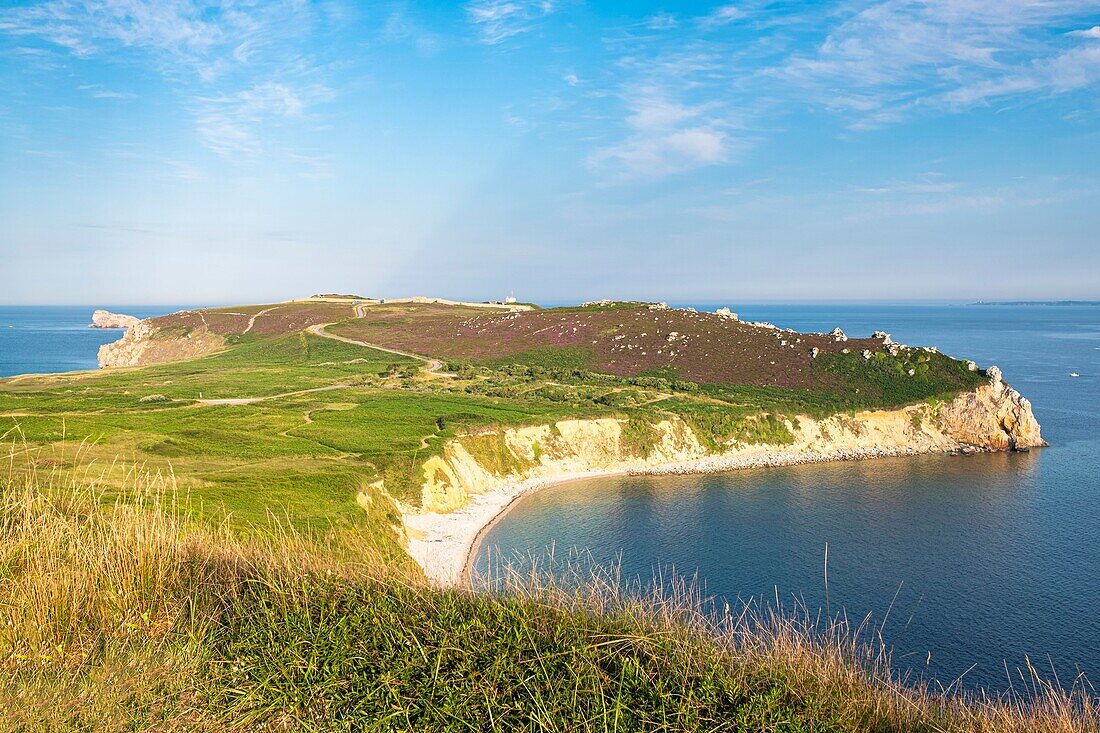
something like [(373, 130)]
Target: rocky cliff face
[(992, 418), (144, 344), (107, 319)]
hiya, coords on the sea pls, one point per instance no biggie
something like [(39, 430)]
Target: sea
[(56, 338), (969, 567)]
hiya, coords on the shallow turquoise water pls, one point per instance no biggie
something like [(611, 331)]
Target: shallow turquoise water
[(980, 560)]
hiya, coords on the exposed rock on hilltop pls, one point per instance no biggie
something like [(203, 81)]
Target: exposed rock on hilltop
[(107, 319)]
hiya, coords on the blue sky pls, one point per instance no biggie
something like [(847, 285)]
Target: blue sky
[(240, 150)]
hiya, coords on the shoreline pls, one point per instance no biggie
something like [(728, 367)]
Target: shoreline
[(448, 543)]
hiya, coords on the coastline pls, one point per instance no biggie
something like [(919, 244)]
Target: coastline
[(445, 545)]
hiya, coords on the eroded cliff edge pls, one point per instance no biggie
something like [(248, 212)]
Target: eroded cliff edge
[(477, 476), (144, 344)]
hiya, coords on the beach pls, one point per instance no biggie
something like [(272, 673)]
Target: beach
[(445, 544)]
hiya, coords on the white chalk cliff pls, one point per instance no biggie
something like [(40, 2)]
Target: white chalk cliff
[(460, 496)]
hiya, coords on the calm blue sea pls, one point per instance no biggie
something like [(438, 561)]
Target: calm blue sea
[(56, 338), (980, 560), (972, 562)]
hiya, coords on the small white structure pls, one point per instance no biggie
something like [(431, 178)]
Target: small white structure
[(510, 299)]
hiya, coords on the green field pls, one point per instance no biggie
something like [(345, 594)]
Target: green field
[(317, 421)]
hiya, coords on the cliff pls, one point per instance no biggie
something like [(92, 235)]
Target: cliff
[(477, 476), (144, 343), (107, 319)]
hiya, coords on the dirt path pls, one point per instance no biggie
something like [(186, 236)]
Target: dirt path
[(252, 320), (435, 366), (252, 400)]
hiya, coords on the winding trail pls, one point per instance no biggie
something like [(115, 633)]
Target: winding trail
[(435, 366)]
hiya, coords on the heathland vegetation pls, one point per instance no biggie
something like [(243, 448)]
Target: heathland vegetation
[(283, 418), (213, 543)]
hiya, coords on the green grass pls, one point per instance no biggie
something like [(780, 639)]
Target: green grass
[(550, 357), (638, 436), (715, 424), (307, 454), (127, 617), (884, 380)]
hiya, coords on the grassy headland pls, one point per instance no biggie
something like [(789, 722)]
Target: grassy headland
[(226, 531), (282, 419)]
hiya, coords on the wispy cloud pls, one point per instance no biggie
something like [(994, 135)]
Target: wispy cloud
[(722, 15), (662, 22), (1093, 33), (885, 59), (499, 20), (665, 136), (86, 26), (229, 125), (235, 63)]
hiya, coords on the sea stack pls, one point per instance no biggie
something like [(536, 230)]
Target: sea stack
[(107, 319)]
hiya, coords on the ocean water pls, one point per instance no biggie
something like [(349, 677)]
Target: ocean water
[(38, 339), (968, 565)]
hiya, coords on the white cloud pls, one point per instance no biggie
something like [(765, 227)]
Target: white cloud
[(665, 137), (887, 58), (662, 22), (499, 20), (571, 79), (722, 15), (225, 136), (1093, 32), (231, 125), (87, 26), (238, 64), (1078, 68)]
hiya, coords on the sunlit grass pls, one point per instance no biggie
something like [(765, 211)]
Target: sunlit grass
[(126, 615)]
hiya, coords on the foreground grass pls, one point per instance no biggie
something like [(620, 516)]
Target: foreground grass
[(125, 616)]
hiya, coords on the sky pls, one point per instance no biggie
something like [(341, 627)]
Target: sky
[(221, 151)]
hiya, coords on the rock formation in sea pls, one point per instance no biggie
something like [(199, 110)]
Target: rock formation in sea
[(107, 319)]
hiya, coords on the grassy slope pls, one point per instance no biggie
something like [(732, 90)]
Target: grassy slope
[(123, 617), (306, 454)]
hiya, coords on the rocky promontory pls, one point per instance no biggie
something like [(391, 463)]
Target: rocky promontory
[(107, 319)]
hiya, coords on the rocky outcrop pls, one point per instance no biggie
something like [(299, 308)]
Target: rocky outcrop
[(144, 344), (993, 417), (461, 494), (107, 319)]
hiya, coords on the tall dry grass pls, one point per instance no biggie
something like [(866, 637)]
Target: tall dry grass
[(847, 665), (107, 590), (118, 615)]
